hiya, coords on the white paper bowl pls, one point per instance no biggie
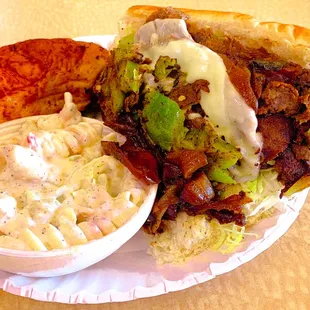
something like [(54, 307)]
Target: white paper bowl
[(66, 261)]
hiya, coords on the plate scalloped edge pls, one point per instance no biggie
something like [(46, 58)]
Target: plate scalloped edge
[(271, 235)]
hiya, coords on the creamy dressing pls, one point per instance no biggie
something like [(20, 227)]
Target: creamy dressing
[(224, 106), (57, 188)]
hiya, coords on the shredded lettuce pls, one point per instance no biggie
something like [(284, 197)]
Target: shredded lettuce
[(260, 215), (189, 236), (264, 192), (264, 186), (229, 238)]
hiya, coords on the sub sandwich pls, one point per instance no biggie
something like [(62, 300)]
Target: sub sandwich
[(215, 108)]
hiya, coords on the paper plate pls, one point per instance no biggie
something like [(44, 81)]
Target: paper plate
[(131, 273)]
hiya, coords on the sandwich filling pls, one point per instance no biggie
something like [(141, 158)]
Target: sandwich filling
[(212, 129), (227, 111)]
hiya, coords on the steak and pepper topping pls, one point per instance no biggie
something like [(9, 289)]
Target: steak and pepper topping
[(173, 141)]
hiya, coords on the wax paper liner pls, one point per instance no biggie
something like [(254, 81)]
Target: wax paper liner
[(131, 273)]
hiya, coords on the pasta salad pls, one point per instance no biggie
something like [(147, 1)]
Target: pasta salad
[(57, 188)]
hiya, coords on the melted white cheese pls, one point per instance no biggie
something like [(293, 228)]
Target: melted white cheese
[(225, 107)]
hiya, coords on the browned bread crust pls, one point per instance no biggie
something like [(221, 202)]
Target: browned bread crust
[(34, 75), (289, 42)]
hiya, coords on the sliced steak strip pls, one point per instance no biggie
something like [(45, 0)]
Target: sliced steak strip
[(226, 216), (290, 169), (240, 78), (141, 162), (301, 151), (279, 97), (187, 160), (232, 203), (277, 131), (185, 95), (161, 206), (305, 104), (257, 82)]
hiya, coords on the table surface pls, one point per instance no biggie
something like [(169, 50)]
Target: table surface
[(279, 278)]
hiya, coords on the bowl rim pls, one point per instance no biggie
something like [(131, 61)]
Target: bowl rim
[(149, 199)]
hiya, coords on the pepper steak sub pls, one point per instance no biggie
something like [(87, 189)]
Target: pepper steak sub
[(216, 109)]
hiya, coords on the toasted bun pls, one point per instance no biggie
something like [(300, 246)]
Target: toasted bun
[(34, 75), (289, 42)]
